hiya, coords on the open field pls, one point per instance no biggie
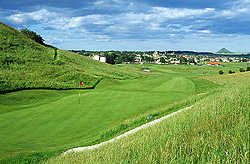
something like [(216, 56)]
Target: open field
[(214, 130), (37, 124)]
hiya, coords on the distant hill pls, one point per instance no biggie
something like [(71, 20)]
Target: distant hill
[(223, 50), (26, 64)]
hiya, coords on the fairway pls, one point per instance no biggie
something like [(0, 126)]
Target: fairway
[(43, 121)]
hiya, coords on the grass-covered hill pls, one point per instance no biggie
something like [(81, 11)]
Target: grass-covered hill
[(26, 64)]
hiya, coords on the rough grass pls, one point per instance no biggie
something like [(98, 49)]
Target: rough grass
[(25, 64), (229, 78), (215, 130)]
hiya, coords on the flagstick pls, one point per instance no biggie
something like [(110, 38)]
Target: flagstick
[(79, 94), (81, 84)]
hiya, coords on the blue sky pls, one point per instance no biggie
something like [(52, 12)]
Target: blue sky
[(140, 25)]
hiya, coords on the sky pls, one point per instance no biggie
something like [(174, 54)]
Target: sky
[(134, 25)]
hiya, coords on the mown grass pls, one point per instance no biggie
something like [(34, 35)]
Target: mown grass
[(214, 130), (37, 124)]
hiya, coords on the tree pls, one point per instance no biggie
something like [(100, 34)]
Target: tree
[(32, 35), (162, 60), (183, 59), (221, 72), (230, 72), (244, 60), (149, 59), (192, 61), (130, 57), (248, 69)]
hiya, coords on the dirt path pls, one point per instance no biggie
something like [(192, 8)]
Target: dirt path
[(127, 133)]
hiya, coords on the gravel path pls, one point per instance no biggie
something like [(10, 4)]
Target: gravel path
[(125, 134)]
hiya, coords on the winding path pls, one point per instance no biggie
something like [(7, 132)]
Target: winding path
[(79, 149)]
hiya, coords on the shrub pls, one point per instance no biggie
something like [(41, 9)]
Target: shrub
[(241, 70), (221, 72), (32, 35), (230, 72), (248, 69)]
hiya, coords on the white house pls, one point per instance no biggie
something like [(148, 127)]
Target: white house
[(96, 57), (100, 58), (103, 59)]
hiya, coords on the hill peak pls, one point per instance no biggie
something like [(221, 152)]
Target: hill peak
[(223, 50)]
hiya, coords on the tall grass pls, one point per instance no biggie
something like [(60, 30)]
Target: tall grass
[(215, 130), (25, 64)]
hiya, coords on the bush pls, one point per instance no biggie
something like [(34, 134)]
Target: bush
[(221, 72), (32, 35), (230, 72), (248, 69), (241, 70)]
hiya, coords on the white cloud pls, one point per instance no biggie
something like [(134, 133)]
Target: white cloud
[(175, 13), (77, 22), (73, 22), (101, 38), (205, 31), (37, 16), (227, 13), (97, 3), (154, 26), (110, 4), (116, 29), (101, 22), (238, 9)]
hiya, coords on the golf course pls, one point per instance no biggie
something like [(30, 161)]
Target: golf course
[(44, 111), (39, 123), (50, 120)]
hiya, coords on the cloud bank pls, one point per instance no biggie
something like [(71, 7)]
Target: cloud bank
[(116, 21)]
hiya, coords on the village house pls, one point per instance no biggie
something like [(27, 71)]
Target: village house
[(225, 60), (213, 63), (100, 58), (138, 58)]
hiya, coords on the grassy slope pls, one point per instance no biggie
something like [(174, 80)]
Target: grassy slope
[(26, 64), (229, 78), (215, 130), (38, 123)]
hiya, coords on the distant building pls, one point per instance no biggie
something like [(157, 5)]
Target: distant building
[(213, 63), (96, 57), (103, 59), (100, 58), (155, 54)]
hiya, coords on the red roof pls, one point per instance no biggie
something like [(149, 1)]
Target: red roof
[(213, 63)]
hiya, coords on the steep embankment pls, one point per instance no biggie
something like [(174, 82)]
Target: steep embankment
[(25, 64)]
